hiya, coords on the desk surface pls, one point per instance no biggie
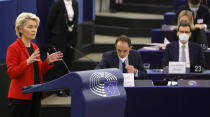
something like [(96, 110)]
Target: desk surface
[(160, 71), (149, 55), (144, 50)]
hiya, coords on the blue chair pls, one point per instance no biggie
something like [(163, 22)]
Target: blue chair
[(169, 18), (178, 3)]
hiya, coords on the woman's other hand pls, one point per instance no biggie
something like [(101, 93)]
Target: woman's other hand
[(57, 56)]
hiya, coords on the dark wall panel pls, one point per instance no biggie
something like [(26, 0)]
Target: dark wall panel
[(4, 86), (7, 25)]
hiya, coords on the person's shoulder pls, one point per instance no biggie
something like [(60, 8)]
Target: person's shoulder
[(109, 54), (196, 45), (134, 53), (13, 45), (204, 8)]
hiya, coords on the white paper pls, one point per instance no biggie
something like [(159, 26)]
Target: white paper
[(177, 67), (168, 27), (166, 41), (128, 79), (200, 21), (151, 48), (172, 83)]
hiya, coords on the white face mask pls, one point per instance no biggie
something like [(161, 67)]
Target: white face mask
[(193, 9), (183, 37)]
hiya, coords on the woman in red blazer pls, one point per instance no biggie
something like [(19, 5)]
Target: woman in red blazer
[(25, 67)]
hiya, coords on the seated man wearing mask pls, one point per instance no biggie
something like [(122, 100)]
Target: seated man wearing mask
[(200, 13), (183, 50), (124, 58)]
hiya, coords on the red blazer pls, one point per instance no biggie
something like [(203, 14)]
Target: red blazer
[(20, 73)]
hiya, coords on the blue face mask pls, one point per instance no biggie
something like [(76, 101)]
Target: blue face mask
[(194, 9)]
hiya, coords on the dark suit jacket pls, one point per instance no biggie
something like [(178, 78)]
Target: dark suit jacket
[(110, 60), (58, 25), (202, 13), (172, 54), (57, 19)]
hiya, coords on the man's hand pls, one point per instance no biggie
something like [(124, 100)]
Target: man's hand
[(201, 26), (130, 69)]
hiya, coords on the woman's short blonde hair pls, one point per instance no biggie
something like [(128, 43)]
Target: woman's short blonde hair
[(190, 17), (22, 19)]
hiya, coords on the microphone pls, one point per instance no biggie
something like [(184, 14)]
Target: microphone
[(71, 47), (62, 60)]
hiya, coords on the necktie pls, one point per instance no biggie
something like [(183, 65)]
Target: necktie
[(194, 15), (183, 56), (123, 67)]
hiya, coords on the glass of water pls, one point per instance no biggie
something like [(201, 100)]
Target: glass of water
[(204, 46), (146, 66)]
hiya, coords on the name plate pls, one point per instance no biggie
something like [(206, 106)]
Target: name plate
[(128, 79), (177, 67), (200, 21)]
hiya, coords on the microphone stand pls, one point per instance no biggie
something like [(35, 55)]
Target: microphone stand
[(63, 62), (71, 47)]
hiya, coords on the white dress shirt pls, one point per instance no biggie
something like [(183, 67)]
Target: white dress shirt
[(186, 53), (125, 59), (69, 8)]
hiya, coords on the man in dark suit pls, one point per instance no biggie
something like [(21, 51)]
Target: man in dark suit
[(124, 58), (183, 50), (200, 13)]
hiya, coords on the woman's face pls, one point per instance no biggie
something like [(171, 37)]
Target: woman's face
[(29, 30), (185, 19)]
